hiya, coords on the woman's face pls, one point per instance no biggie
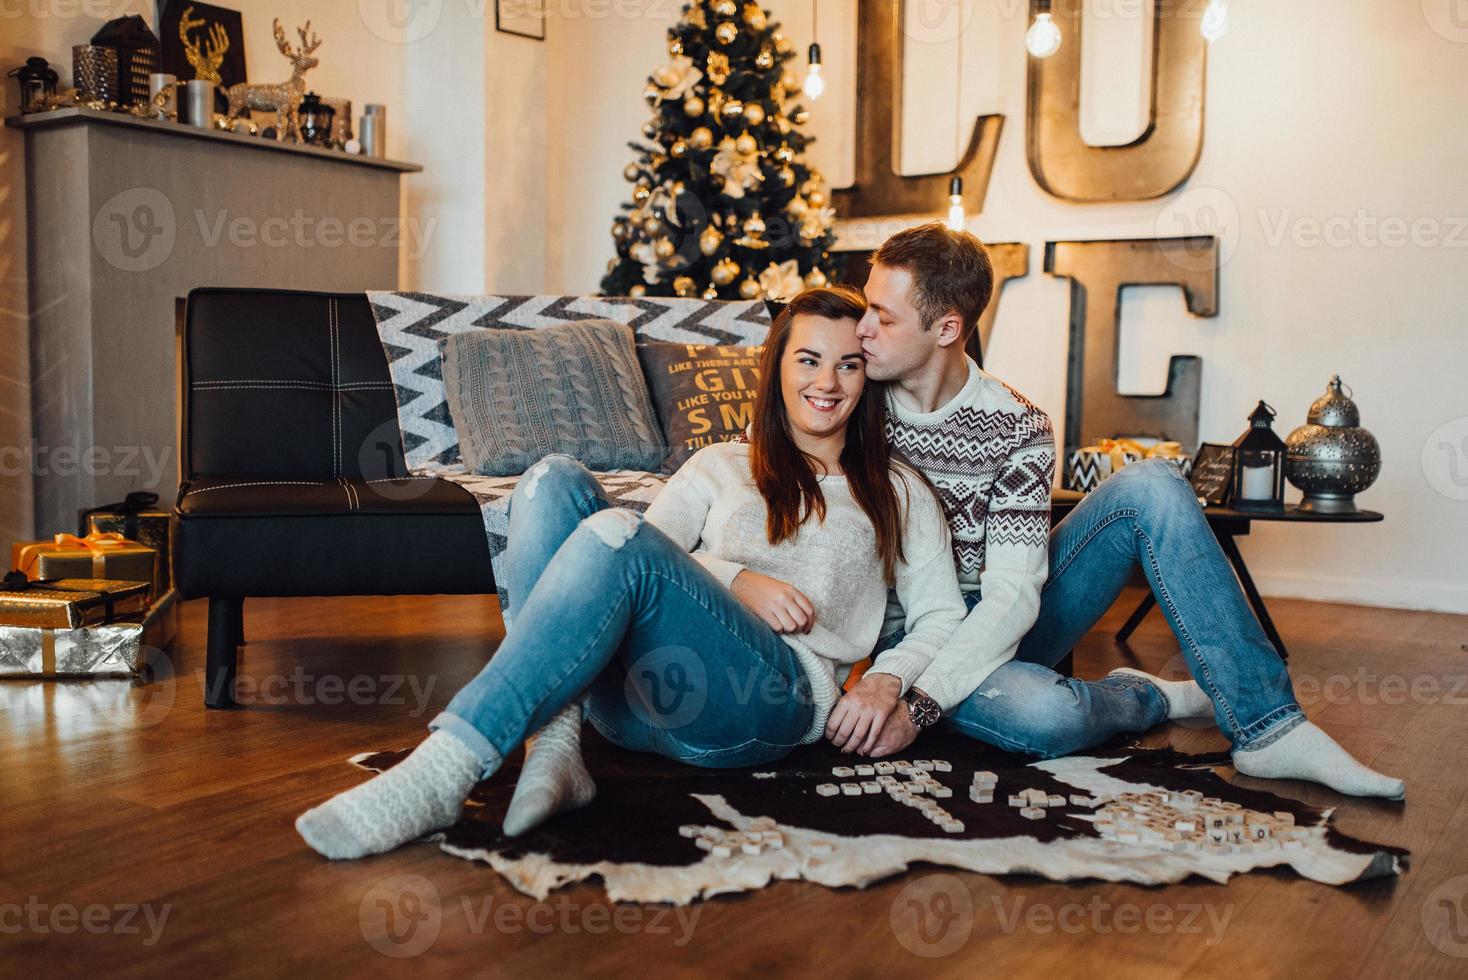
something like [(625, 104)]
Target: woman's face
[(821, 375)]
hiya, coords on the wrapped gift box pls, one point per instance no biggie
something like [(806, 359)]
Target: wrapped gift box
[(148, 527), (96, 556), (86, 651), (160, 623), (1087, 467), (70, 603)]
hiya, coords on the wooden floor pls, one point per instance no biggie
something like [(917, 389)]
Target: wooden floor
[(141, 834)]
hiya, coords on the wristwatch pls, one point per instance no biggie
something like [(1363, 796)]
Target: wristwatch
[(923, 710)]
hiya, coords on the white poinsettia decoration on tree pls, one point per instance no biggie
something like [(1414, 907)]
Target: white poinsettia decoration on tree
[(781, 282), (677, 78), (741, 171)]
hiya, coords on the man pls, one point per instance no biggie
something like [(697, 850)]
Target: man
[(1033, 592)]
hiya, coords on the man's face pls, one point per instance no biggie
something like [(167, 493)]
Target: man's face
[(893, 340)]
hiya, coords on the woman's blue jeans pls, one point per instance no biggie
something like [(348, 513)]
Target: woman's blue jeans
[(604, 604)]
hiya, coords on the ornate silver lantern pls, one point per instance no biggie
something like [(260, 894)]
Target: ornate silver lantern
[(1331, 458)]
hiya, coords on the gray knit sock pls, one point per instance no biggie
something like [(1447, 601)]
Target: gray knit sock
[(1185, 699), (554, 777), (422, 793), (1306, 752)]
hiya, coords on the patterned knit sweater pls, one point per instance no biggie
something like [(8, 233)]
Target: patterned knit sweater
[(991, 454)]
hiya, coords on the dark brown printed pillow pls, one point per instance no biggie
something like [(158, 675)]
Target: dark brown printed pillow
[(703, 393)]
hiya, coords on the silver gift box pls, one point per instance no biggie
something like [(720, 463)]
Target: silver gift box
[(88, 651)]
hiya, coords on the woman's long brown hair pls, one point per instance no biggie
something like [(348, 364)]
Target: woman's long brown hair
[(786, 476)]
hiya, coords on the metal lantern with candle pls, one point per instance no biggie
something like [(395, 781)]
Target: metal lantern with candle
[(1259, 464), (37, 83)]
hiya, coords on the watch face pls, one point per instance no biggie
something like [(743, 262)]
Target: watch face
[(924, 711)]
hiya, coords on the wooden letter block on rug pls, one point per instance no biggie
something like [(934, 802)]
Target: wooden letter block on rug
[(659, 831)]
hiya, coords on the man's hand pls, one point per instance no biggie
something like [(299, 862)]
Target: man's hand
[(781, 606), (897, 734), (859, 716)]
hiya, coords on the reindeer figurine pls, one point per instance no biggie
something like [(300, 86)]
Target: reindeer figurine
[(282, 99)]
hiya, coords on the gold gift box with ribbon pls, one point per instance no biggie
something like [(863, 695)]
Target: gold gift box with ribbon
[(96, 556), (70, 603), (1088, 466)]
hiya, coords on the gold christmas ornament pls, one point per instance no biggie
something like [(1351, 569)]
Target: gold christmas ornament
[(652, 95), (784, 153), (787, 176), (746, 143), (724, 272), (675, 47), (663, 248), (651, 226), (749, 289), (710, 239), (717, 67), (696, 17), (716, 103), (815, 279), (725, 8), (765, 58), (816, 198), (754, 112), (732, 108), (754, 224), (783, 125), (683, 285), (619, 231), (701, 138), (641, 193), (754, 17), (789, 80), (782, 43), (801, 117), (726, 32), (693, 105), (631, 172), (712, 292), (638, 289), (649, 131), (811, 229), (679, 149)]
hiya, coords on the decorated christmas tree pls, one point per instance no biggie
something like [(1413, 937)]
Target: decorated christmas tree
[(723, 204)]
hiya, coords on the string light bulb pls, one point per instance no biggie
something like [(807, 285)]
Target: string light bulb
[(1215, 20), (956, 217), (1043, 38), (815, 85)]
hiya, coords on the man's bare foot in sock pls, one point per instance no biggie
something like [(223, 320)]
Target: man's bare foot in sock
[(554, 777), (1185, 699), (1306, 752)]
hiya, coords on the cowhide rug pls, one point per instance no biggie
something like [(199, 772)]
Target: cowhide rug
[(630, 835)]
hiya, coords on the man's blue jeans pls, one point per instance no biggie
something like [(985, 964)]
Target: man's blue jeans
[(1145, 516), (605, 604)]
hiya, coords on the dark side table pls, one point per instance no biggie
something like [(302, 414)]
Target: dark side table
[(1228, 524)]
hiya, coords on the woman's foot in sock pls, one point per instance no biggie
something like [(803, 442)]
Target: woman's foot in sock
[(1306, 752), (422, 793), (1185, 699), (554, 778)]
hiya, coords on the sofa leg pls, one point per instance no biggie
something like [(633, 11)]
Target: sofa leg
[(223, 651), (239, 635)]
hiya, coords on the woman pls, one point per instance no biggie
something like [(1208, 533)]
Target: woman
[(718, 629)]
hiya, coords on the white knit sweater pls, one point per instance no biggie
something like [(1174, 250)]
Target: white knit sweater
[(712, 507)]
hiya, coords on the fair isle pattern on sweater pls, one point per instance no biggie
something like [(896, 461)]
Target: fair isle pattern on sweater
[(993, 464)]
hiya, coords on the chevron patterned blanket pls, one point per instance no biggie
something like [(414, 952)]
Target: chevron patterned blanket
[(410, 325)]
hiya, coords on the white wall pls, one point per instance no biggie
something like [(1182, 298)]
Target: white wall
[(463, 100), (1316, 110)]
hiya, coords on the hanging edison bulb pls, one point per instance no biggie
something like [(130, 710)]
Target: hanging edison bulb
[(956, 217), (1043, 38), (1215, 20), (815, 85)]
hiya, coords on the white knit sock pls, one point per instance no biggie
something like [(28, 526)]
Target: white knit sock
[(1185, 699), (554, 777), (1306, 752), (422, 793)]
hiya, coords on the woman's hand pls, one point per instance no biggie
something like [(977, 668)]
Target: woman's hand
[(859, 717), (781, 606)]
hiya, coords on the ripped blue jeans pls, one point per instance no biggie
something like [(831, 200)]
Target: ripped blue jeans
[(605, 605)]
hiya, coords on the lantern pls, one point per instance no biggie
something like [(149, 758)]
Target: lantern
[(1259, 465), (37, 83), (315, 119)]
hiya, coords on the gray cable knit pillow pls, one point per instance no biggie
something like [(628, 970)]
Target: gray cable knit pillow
[(575, 388)]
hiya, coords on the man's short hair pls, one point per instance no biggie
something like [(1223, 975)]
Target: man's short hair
[(950, 270)]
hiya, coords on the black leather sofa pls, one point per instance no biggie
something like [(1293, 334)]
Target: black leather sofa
[(292, 474)]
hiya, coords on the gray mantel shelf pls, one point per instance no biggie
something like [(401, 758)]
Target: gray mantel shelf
[(72, 116)]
